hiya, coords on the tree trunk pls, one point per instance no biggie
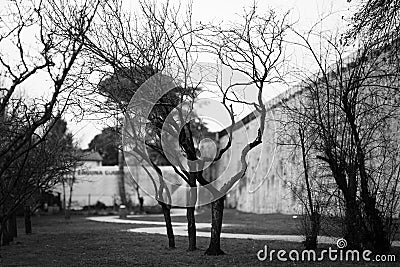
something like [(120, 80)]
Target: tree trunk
[(64, 206), (192, 199), (191, 228), (168, 223), (6, 237), (28, 223), (141, 200), (376, 237), (12, 222), (68, 209), (141, 207), (311, 241), (352, 226), (217, 212), (122, 192)]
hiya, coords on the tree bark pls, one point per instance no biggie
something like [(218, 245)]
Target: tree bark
[(377, 239), (353, 228), (64, 199), (374, 236), (192, 199), (141, 200), (28, 223), (122, 191), (191, 228), (141, 208), (68, 209), (168, 223), (217, 212), (311, 241)]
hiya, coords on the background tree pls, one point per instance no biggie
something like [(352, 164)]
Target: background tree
[(38, 171), (311, 187), (106, 143), (352, 122), (375, 19), (130, 49), (27, 162)]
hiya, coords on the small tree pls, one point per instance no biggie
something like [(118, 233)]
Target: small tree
[(295, 137)]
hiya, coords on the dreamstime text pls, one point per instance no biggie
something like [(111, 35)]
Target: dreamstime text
[(330, 254)]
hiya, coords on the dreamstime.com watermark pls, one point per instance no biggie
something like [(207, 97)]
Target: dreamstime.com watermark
[(329, 254)]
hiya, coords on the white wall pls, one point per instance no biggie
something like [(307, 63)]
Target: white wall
[(269, 169), (100, 183)]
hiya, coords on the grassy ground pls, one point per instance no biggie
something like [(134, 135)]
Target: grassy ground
[(244, 223), (262, 224), (80, 242)]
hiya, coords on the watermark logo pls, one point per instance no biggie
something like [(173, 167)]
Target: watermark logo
[(330, 254), (341, 243)]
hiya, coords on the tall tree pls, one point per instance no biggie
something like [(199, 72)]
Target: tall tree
[(254, 48), (165, 53), (351, 122), (59, 28), (135, 48)]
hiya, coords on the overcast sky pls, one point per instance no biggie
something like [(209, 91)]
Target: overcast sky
[(304, 12)]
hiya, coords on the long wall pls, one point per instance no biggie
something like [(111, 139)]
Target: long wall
[(264, 188), (100, 183)]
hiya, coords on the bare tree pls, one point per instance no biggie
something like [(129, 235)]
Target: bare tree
[(255, 48), (377, 20), (166, 40), (26, 123), (310, 185), (68, 180), (41, 168), (131, 48), (353, 122)]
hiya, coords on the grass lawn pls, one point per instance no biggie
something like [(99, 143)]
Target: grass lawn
[(262, 224), (244, 223), (79, 242)]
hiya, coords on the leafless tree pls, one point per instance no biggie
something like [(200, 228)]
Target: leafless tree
[(69, 179), (309, 185), (255, 48), (130, 48), (353, 124), (51, 54), (375, 19)]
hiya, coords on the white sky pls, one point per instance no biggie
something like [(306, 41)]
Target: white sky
[(305, 12)]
